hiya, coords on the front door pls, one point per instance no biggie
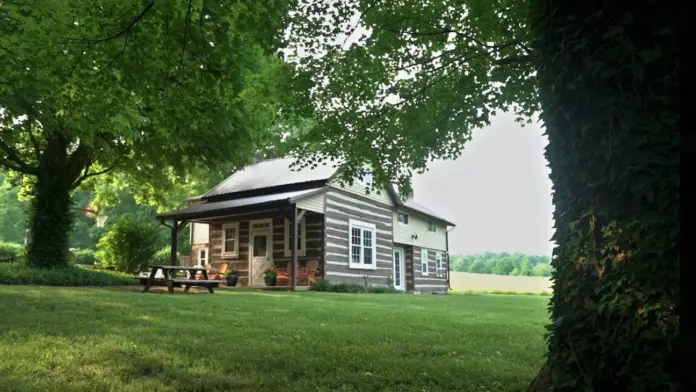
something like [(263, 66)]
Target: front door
[(260, 250), (399, 274)]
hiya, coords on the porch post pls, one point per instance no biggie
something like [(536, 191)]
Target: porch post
[(293, 231), (175, 233)]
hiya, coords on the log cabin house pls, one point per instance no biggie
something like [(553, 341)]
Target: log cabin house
[(250, 219)]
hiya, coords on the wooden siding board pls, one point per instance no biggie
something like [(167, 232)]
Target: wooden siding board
[(241, 263), (339, 210), (358, 190), (431, 282)]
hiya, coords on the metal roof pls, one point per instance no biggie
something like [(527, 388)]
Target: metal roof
[(209, 210), (270, 173), (412, 205)]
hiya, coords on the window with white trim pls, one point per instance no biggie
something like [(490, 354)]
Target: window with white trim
[(431, 227), (403, 219), (301, 236), (202, 256), (230, 239), (362, 252), (439, 264), (424, 262)]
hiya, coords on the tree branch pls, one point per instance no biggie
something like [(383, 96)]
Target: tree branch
[(119, 33), (18, 164), (362, 14), (12, 166), (87, 175), (186, 26)]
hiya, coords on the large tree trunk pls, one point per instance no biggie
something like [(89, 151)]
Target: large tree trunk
[(50, 214), (608, 75), (50, 221)]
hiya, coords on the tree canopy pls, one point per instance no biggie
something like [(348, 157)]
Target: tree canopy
[(516, 264), (397, 84), (151, 91)]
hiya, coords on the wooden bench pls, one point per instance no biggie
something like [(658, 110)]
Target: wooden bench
[(187, 283)]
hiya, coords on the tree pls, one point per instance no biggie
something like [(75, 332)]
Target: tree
[(152, 90), (526, 267), (541, 270), (12, 212), (489, 266), (478, 267), (413, 78)]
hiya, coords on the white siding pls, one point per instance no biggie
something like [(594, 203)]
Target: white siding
[(358, 189), (200, 233), (313, 203), (418, 225)]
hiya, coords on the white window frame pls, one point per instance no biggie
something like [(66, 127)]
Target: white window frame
[(302, 245), (424, 262), (440, 270), (431, 225), (363, 226), (207, 256), (233, 252), (398, 219)]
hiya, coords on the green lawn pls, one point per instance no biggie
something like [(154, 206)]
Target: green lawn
[(89, 339)]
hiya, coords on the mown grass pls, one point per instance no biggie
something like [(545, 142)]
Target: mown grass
[(21, 273), (88, 339)]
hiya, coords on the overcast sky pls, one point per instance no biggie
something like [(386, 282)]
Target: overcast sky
[(498, 192)]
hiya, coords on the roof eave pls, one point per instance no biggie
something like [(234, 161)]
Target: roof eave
[(223, 211), (417, 211)]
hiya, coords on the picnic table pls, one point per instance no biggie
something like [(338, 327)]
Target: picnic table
[(172, 281)]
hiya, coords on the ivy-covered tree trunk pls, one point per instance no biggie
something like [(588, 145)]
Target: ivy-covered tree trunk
[(608, 74), (50, 215), (50, 221)]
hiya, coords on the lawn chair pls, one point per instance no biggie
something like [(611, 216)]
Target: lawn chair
[(218, 273), (283, 277), (309, 273)]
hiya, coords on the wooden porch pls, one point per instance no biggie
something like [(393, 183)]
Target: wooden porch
[(261, 234)]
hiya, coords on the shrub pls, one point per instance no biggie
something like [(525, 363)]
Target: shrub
[(382, 289), (84, 256), (321, 285), (326, 286), (21, 273), (128, 246), (10, 251), (162, 256)]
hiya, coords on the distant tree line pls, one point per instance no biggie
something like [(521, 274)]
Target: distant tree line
[(516, 264)]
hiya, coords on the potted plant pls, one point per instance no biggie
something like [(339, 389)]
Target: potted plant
[(232, 278), (269, 276)]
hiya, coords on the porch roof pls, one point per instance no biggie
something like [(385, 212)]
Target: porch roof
[(209, 210)]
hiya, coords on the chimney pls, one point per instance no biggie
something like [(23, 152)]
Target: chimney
[(256, 158)]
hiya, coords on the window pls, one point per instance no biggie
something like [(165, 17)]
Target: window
[(424, 262), (230, 239), (301, 236), (403, 219), (202, 256), (440, 271), (366, 179), (431, 227), (363, 249)]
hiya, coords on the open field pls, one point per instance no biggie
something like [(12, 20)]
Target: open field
[(466, 281), (89, 339)]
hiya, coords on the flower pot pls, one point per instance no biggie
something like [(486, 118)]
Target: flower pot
[(232, 280), (270, 280)]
